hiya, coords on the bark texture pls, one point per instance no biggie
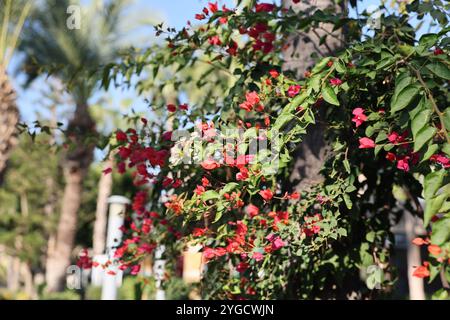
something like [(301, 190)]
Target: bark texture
[(9, 117), (77, 161), (299, 57)]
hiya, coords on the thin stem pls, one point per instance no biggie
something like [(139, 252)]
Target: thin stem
[(4, 31), (433, 103)]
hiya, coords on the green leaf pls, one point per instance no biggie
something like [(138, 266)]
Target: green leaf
[(428, 40), (432, 207), (441, 231), (329, 95), (430, 151), (432, 183), (209, 195), (228, 187), (370, 236), (439, 69), (423, 136), (404, 98)]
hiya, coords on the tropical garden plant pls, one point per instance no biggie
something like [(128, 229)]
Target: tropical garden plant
[(218, 173)]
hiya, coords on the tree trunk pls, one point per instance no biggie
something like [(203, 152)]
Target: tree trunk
[(77, 161), (311, 152), (101, 213), (9, 117)]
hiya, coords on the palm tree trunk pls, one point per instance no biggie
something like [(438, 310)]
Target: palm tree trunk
[(9, 117), (101, 213), (78, 159), (311, 153)]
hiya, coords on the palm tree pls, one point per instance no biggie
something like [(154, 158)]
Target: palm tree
[(71, 55), (12, 18)]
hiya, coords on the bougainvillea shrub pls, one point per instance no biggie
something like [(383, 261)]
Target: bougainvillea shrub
[(216, 171)]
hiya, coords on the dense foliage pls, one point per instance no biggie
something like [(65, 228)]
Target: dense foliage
[(384, 102)]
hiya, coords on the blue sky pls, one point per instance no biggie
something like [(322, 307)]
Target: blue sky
[(174, 13)]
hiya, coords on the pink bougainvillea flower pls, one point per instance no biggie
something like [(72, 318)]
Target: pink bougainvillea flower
[(214, 41), (258, 256), (252, 210), (135, 269), (266, 194), (278, 243), (335, 82), (366, 143), (403, 163), (210, 164), (199, 190), (293, 90), (359, 116)]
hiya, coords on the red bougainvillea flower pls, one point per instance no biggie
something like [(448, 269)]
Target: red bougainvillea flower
[(252, 210), (434, 250), (242, 174), (274, 73), (266, 194), (366, 143), (198, 232), (214, 41), (184, 106), (242, 267), (264, 7), (421, 272), (232, 48), (205, 182), (438, 51), (213, 7), (335, 82), (258, 256), (167, 136), (107, 171), (359, 116), (121, 136), (171, 107), (210, 164), (293, 90), (200, 16), (391, 156)]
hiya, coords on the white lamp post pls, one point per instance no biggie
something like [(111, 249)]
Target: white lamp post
[(117, 208)]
